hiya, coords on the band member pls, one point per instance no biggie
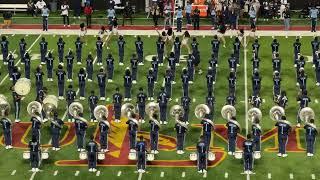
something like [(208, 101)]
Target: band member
[(299, 64), (4, 49), (82, 83), (155, 66), (99, 49), (207, 128), (60, 45), (275, 46), (117, 102), (79, 45), (185, 82), (69, 59), (211, 78), (134, 68), (49, 60), (284, 129), (311, 133), (23, 49), (17, 103), (233, 130), (236, 50), (27, 65), (160, 49), (302, 80), (256, 83), (248, 146), (304, 101), (127, 13), (154, 133), (10, 65), (61, 76), (139, 50), (231, 99), (151, 81), (256, 47), (213, 62), (168, 83), (92, 151), (81, 127), (43, 49), (93, 102), (110, 67), (282, 100), (210, 102), (215, 45), (35, 127), (232, 79), (102, 76), (163, 104), (127, 85), (121, 47), (296, 48), (39, 79), (276, 84), (185, 103), (256, 133), (256, 62), (191, 67), (177, 50), (104, 129), (16, 74), (202, 153), (276, 63), (89, 67), (181, 128), (141, 101), (255, 101), (133, 128), (196, 19), (34, 147), (7, 131), (141, 149), (56, 126), (70, 97), (315, 47)]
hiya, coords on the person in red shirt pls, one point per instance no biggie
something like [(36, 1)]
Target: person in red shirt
[(88, 12)]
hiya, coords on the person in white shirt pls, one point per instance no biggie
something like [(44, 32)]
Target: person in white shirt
[(65, 13), (40, 5)]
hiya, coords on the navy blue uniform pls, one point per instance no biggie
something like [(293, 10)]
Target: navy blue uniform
[(155, 66), (160, 50), (17, 102), (231, 100), (256, 84), (141, 101), (141, 149), (151, 81), (185, 84), (283, 133), (101, 77), (190, 67), (49, 64), (5, 50), (177, 50), (60, 45), (211, 78), (35, 128), (34, 148), (78, 45), (233, 63), (163, 101), (210, 102), (99, 50), (15, 76), (232, 84), (233, 130), (139, 50), (133, 128), (282, 101), (121, 46), (315, 47), (23, 50), (110, 67), (311, 133), (154, 135), (10, 65), (134, 68), (92, 150), (168, 84), (127, 82), (43, 50), (215, 43), (27, 66), (275, 47), (255, 101), (82, 83), (89, 67), (248, 155), (302, 80), (185, 103), (172, 65), (69, 59), (202, 156), (7, 131), (39, 81), (255, 49), (93, 102), (81, 128), (181, 135), (296, 49), (256, 134), (303, 102), (61, 76), (117, 102), (55, 131), (276, 64), (276, 85), (103, 138), (206, 130), (255, 63), (317, 69), (236, 50)]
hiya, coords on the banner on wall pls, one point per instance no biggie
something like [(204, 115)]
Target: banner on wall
[(201, 6)]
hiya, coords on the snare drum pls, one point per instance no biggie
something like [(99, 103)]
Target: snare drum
[(44, 155), (193, 156), (257, 155), (101, 156), (132, 156), (211, 156), (238, 154), (150, 157), (83, 155), (22, 86), (26, 155)]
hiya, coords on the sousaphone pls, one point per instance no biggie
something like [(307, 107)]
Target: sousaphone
[(50, 105), (254, 113), (4, 106), (201, 110), (75, 109), (34, 109), (23, 86), (101, 114)]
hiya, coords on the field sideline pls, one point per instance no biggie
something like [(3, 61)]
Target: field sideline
[(295, 166)]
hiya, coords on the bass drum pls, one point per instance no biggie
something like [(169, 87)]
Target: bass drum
[(22, 86)]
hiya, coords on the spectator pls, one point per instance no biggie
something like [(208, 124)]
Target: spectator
[(233, 20), (45, 15), (31, 8), (286, 20), (77, 8), (188, 13), (88, 12), (65, 13), (7, 19), (196, 19), (213, 17), (314, 17), (155, 14), (127, 13), (111, 13), (167, 14), (39, 6), (111, 4), (252, 16)]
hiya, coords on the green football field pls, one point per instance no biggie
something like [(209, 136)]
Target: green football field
[(295, 166)]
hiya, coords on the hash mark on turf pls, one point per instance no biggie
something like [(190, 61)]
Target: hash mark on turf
[(162, 174), (291, 176), (98, 173), (13, 172), (226, 175), (205, 175), (119, 173), (269, 175), (316, 101), (183, 174), (313, 176), (77, 173), (55, 173), (140, 176)]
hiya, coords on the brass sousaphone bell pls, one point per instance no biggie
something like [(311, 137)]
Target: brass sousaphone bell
[(4, 106), (127, 110), (254, 113), (50, 105), (176, 111), (228, 112), (306, 114), (75, 109), (201, 110), (152, 108), (276, 112), (22, 86), (101, 113), (34, 109)]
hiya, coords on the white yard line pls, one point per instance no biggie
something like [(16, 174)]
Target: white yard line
[(77, 173), (162, 174), (55, 173), (140, 176), (32, 176), (13, 172), (204, 175), (248, 176), (183, 174), (246, 84), (119, 173), (20, 59)]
